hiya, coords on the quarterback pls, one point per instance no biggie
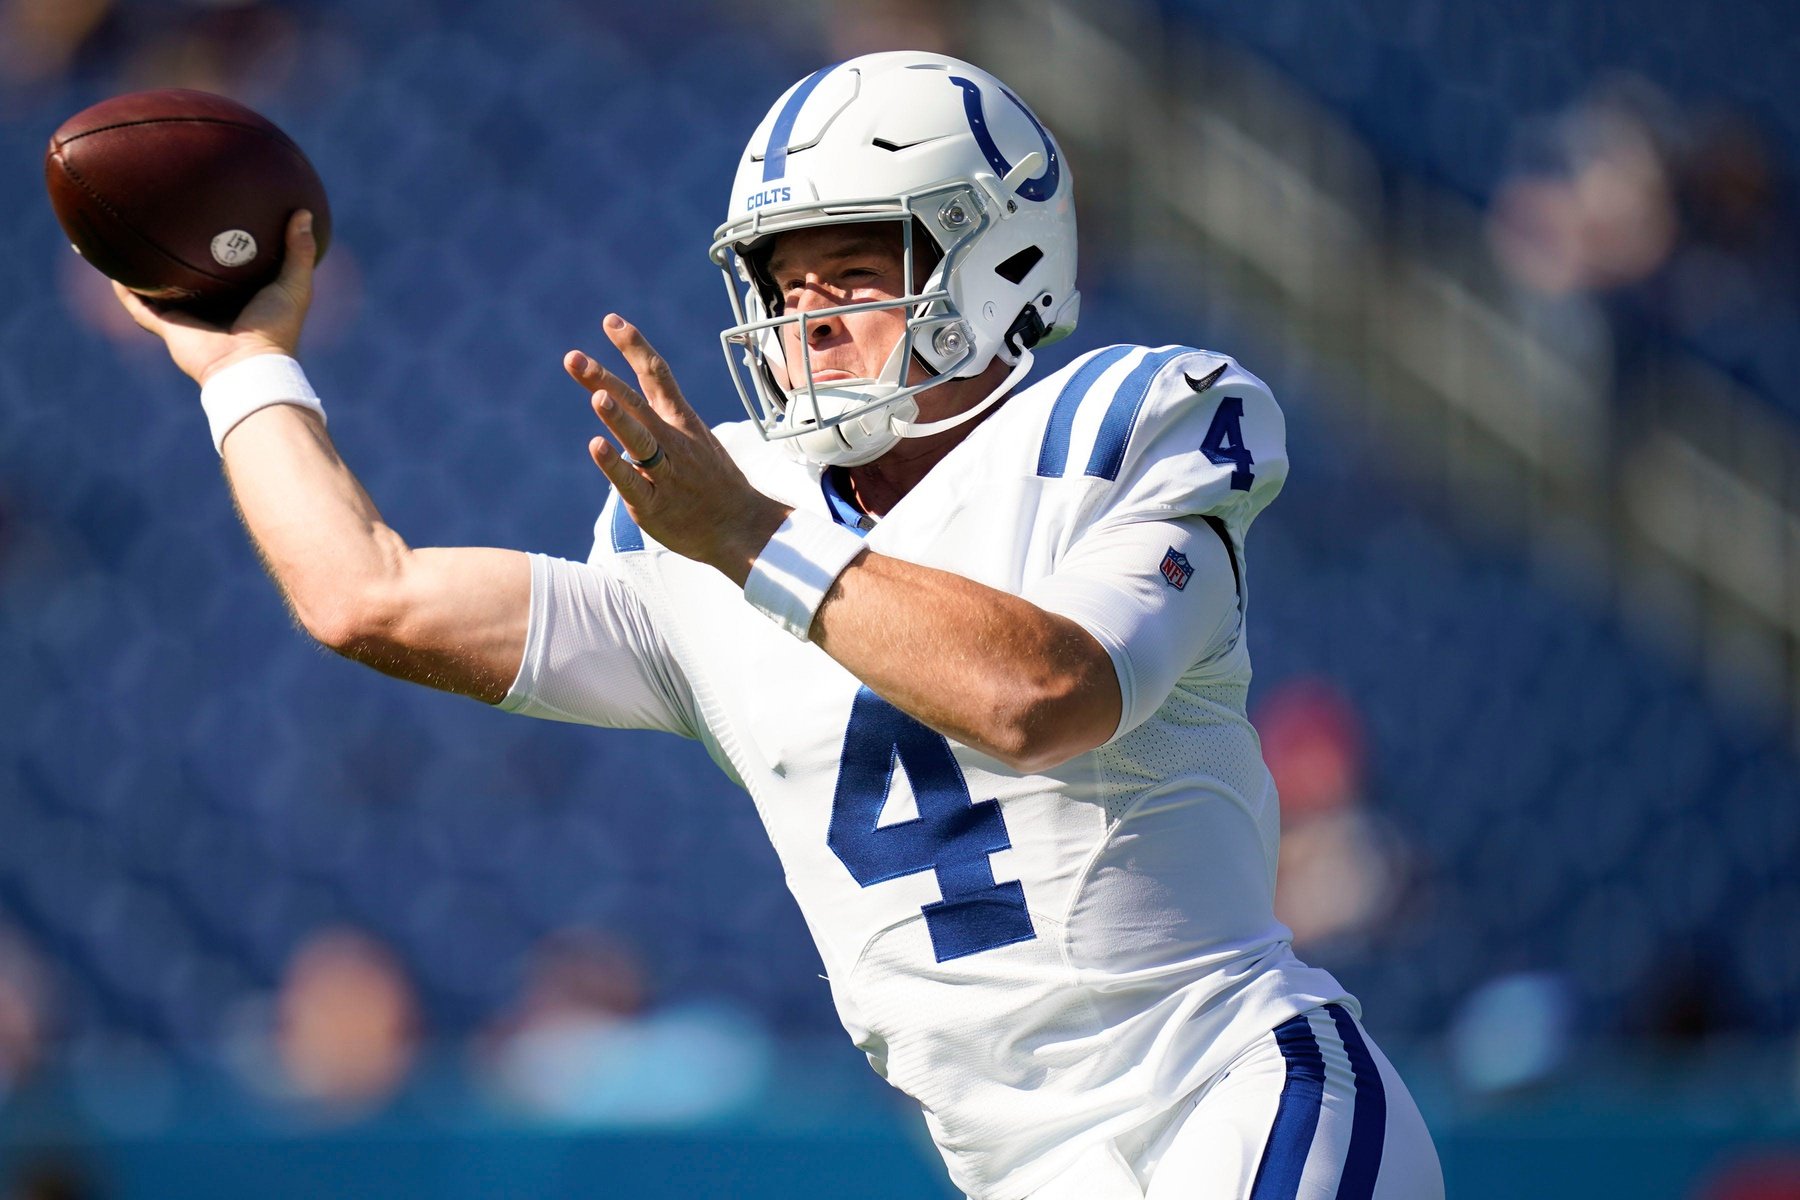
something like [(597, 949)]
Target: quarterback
[(976, 650)]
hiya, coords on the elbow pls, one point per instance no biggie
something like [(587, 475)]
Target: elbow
[(1034, 759), (355, 623), (1034, 754), (1038, 730)]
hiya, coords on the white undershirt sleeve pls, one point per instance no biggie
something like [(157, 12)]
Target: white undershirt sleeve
[(593, 655), (1112, 583)]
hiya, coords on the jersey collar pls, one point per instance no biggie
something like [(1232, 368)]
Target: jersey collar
[(843, 510)]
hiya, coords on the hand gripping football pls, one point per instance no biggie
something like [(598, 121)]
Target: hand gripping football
[(181, 196)]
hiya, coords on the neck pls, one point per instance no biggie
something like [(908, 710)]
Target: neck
[(878, 486)]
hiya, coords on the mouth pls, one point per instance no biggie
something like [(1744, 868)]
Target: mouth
[(831, 375)]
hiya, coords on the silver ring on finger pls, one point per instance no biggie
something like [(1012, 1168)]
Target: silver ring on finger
[(647, 464)]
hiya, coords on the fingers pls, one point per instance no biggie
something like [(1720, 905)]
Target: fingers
[(657, 419), (594, 377), (279, 310), (156, 318), (142, 313), (631, 422), (633, 436), (634, 486), (652, 370), (638, 427), (302, 253)]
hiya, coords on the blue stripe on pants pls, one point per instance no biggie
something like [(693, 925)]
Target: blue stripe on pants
[(1368, 1128), (1296, 1116)]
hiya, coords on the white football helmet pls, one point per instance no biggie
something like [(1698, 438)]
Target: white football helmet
[(984, 201)]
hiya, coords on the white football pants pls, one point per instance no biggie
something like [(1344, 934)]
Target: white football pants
[(1310, 1111)]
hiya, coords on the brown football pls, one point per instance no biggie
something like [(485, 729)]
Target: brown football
[(181, 196)]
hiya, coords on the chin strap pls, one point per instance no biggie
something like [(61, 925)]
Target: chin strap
[(914, 429)]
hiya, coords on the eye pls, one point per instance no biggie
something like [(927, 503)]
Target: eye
[(862, 278)]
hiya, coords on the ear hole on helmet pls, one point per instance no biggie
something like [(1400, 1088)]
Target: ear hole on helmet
[(1026, 331), (1014, 269)]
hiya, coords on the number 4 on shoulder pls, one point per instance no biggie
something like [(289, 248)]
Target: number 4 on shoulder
[(1224, 443)]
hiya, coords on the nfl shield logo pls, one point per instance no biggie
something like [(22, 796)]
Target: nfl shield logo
[(1177, 569)]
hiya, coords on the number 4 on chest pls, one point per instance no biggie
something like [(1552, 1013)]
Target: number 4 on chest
[(953, 834)]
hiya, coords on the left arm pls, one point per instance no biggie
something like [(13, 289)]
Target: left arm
[(994, 671), (1088, 652), (987, 668)]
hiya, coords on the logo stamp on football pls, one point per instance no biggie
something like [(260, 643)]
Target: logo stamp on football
[(1176, 569), (233, 248)]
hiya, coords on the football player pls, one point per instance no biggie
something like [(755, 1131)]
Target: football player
[(976, 651)]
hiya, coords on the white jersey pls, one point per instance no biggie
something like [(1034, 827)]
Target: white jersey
[(1044, 961)]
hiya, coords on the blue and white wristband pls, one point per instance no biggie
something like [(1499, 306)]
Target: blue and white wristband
[(256, 383), (789, 579)]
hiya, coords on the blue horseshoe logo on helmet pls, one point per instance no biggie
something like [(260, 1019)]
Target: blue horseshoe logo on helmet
[(1044, 185)]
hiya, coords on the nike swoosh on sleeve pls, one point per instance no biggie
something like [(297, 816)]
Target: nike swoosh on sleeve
[(1201, 385)]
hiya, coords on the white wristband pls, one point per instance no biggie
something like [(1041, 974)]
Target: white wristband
[(790, 577), (244, 387)]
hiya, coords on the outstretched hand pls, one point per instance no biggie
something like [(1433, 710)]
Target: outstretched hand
[(693, 498), (269, 324)]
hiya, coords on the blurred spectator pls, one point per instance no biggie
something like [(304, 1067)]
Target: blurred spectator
[(1688, 998), (1767, 1176), (578, 979), (581, 1047), (243, 48), (1598, 213), (51, 1177), (1680, 222), (343, 1033), (1339, 871), (348, 1021), (39, 38), (247, 48), (849, 29), (875, 25), (23, 1008), (1512, 1032)]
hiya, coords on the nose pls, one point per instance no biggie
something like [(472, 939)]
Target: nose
[(815, 296)]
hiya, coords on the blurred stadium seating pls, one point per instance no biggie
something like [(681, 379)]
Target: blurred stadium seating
[(1463, 95), (188, 790)]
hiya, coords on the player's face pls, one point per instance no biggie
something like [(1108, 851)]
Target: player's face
[(822, 268)]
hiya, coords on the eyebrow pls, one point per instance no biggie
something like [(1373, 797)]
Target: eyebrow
[(852, 249)]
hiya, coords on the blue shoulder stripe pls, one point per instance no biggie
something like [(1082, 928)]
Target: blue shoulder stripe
[(1053, 456), (775, 157), (1121, 417), (625, 533)]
